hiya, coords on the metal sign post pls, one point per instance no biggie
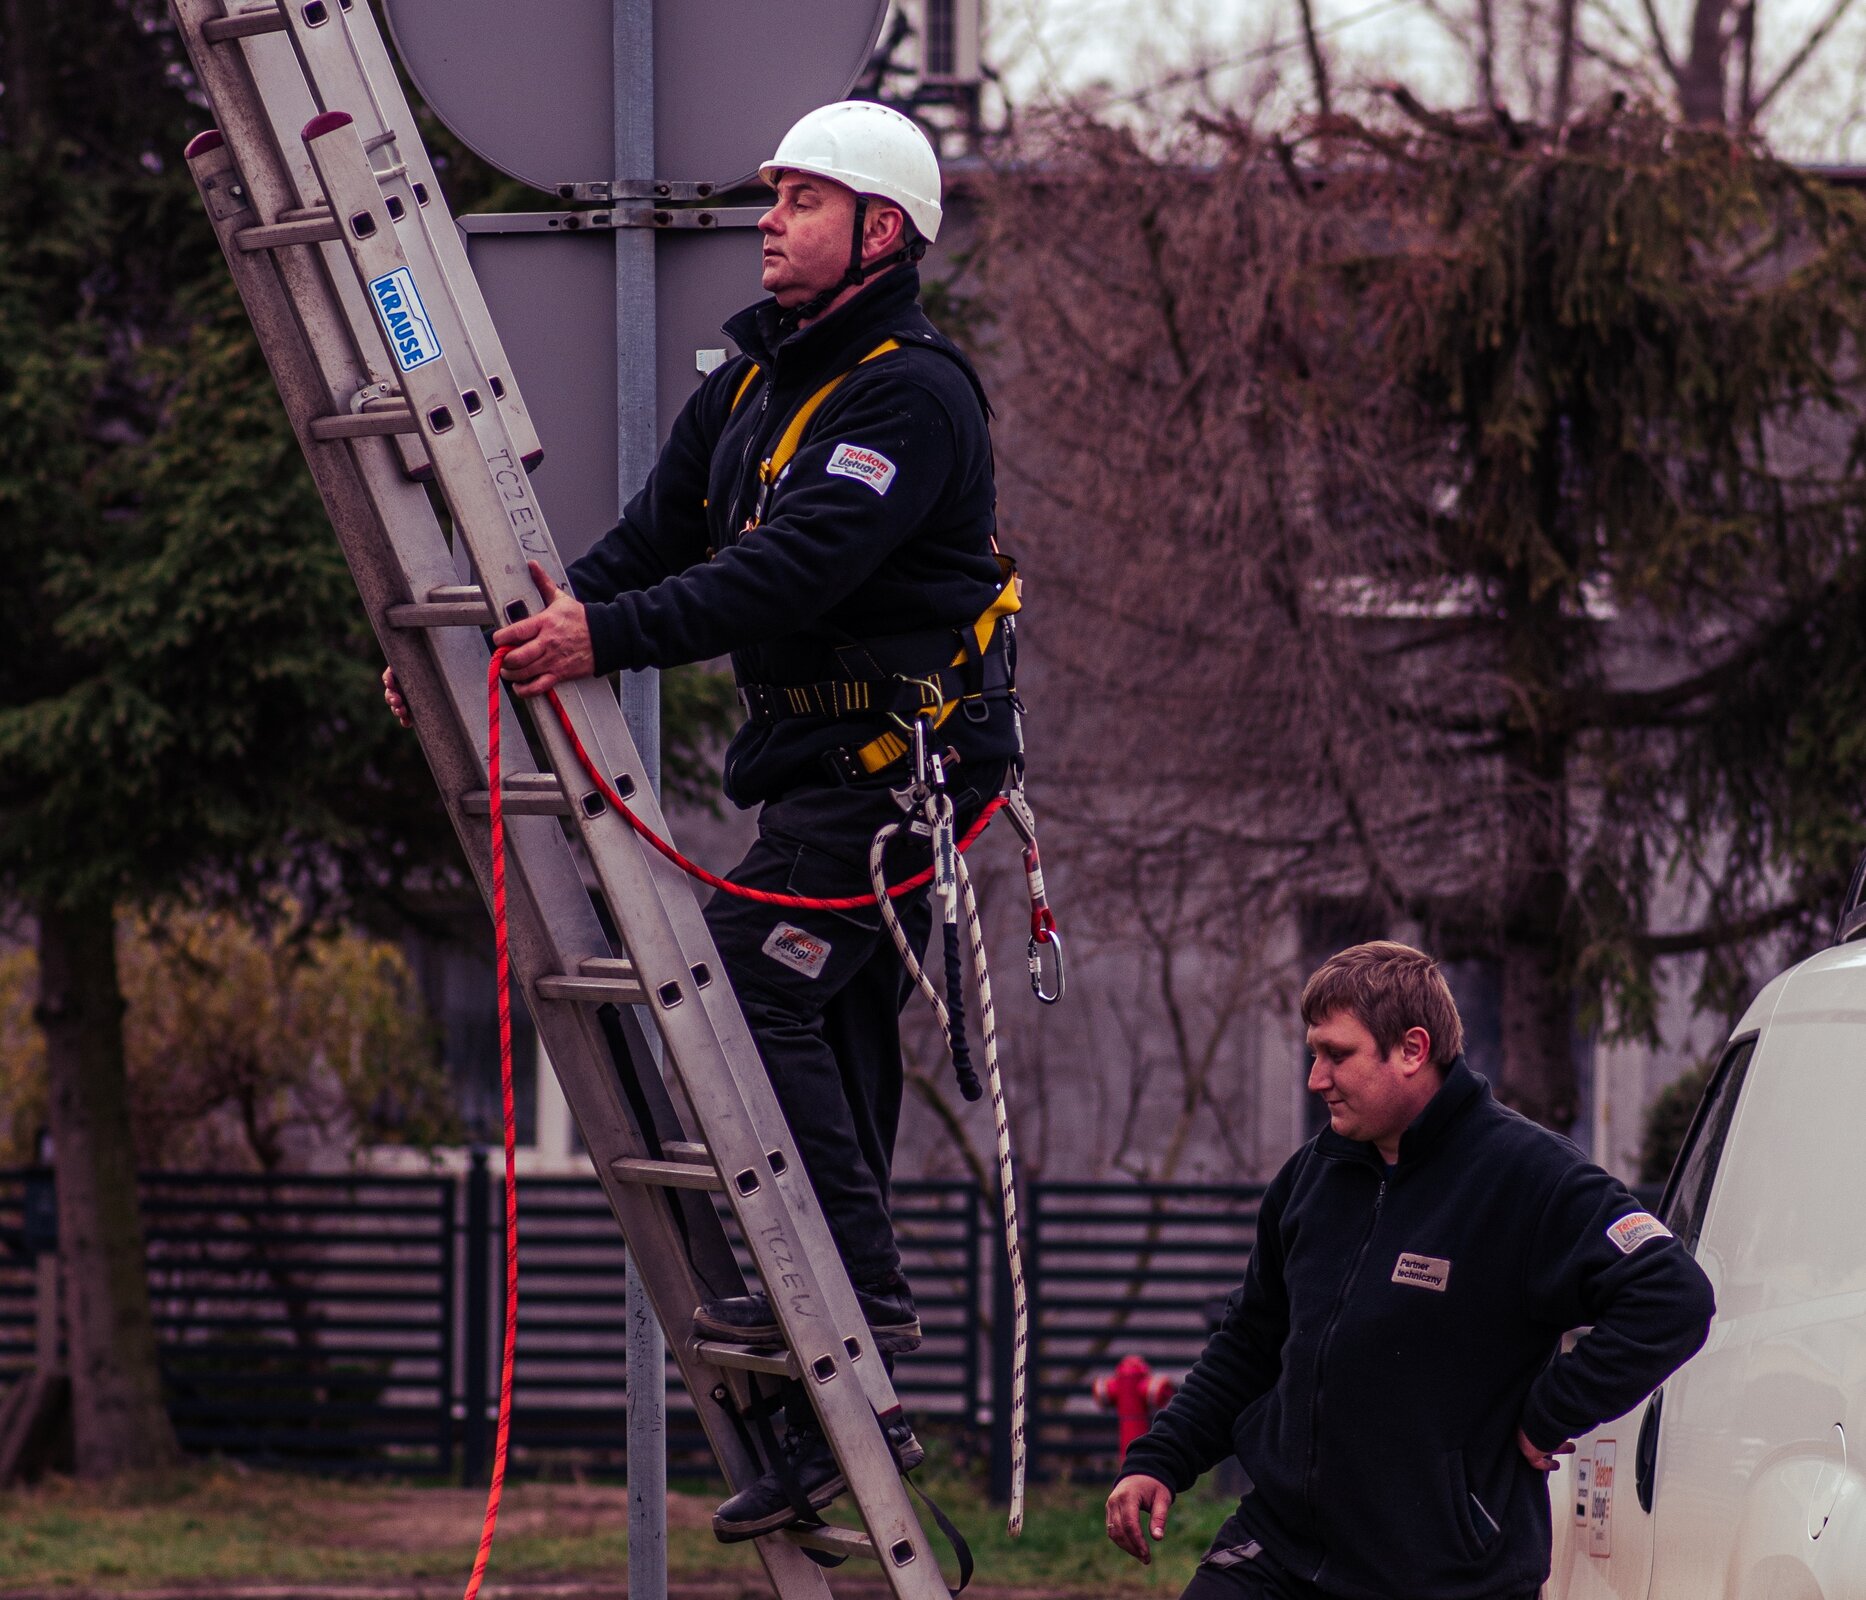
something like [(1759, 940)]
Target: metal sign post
[(636, 441)]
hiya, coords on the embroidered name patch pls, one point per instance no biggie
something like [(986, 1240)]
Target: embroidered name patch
[(1422, 1272), (865, 466), (1630, 1232), (800, 951)]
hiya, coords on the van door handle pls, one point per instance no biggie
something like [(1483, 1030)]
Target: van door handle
[(1646, 1452)]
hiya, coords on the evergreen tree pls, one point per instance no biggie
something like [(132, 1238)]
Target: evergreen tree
[(190, 708)]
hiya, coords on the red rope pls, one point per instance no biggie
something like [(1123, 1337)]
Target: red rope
[(507, 1359), (791, 902)]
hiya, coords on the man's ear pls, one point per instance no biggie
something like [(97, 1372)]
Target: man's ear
[(1415, 1050), (883, 231)]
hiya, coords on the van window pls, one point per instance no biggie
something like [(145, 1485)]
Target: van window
[(1687, 1194)]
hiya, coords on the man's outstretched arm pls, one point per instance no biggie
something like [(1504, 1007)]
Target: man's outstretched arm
[(1242, 1360)]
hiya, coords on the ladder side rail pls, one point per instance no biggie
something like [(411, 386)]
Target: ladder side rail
[(311, 65), (477, 470), (571, 1035), (347, 67), (272, 162), (266, 172)]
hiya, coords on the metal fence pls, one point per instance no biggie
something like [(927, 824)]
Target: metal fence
[(352, 1323)]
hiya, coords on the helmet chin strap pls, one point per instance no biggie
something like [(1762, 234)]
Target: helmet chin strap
[(855, 272)]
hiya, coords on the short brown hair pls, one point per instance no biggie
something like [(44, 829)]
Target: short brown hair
[(1387, 987)]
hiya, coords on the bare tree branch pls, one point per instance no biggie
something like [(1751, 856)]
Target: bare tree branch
[(1817, 36), (1318, 64)]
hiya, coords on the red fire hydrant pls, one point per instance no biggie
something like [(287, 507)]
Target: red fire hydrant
[(1133, 1394)]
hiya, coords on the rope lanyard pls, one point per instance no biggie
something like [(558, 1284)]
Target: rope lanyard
[(764, 897)]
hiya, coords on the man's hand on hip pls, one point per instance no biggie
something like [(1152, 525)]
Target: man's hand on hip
[(551, 647), (1542, 1460), (1136, 1508)]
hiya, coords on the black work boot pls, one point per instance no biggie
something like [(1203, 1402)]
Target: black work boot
[(746, 1319), (765, 1505)]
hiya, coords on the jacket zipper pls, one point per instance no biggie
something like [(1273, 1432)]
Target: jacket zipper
[(1495, 1526), (1321, 1352), (733, 526)]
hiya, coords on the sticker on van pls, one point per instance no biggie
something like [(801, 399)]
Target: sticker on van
[(1633, 1230), (1600, 1500)]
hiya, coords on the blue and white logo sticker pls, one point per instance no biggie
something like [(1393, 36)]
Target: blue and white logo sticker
[(412, 339)]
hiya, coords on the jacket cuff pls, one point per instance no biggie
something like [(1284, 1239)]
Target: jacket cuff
[(609, 637), (1139, 1463), (1541, 1429)]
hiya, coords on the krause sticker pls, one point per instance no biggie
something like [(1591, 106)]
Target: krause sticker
[(802, 952), (412, 340), (863, 465), (1633, 1230), (1422, 1272)]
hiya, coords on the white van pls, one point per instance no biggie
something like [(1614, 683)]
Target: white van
[(1744, 1477)]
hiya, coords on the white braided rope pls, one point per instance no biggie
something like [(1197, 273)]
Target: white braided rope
[(1007, 1186), (1007, 1193), (879, 883)]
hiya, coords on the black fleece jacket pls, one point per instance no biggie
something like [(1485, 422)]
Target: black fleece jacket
[(1393, 1331), (881, 526)]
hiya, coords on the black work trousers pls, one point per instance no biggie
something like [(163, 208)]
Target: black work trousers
[(823, 990), (1237, 1567)]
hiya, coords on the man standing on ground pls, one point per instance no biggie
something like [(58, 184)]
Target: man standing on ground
[(824, 511), (1384, 1374)]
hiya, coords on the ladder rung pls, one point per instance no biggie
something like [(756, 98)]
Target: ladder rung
[(665, 1174), (452, 605), (527, 794), (364, 424), (602, 980), (681, 1150), (243, 25), (313, 229), (776, 1363), (834, 1541)]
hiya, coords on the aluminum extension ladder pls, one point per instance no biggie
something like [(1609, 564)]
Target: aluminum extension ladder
[(343, 250)]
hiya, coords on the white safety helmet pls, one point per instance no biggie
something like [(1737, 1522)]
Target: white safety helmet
[(872, 149)]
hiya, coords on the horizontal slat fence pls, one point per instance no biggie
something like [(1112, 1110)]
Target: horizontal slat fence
[(17, 1290), (352, 1323), (306, 1318), (1123, 1268)]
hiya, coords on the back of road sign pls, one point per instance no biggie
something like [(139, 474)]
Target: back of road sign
[(340, 242), (725, 72)]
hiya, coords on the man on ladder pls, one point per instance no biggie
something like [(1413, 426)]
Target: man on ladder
[(823, 511)]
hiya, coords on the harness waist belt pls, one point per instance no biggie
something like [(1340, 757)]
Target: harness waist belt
[(895, 696)]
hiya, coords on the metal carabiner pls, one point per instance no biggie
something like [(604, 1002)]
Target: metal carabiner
[(1034, 955), (932, 703)]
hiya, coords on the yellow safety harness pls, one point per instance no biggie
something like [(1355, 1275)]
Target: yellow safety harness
[(855, 696)]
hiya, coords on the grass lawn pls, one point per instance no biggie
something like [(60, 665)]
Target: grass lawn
[(218, 1525)]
